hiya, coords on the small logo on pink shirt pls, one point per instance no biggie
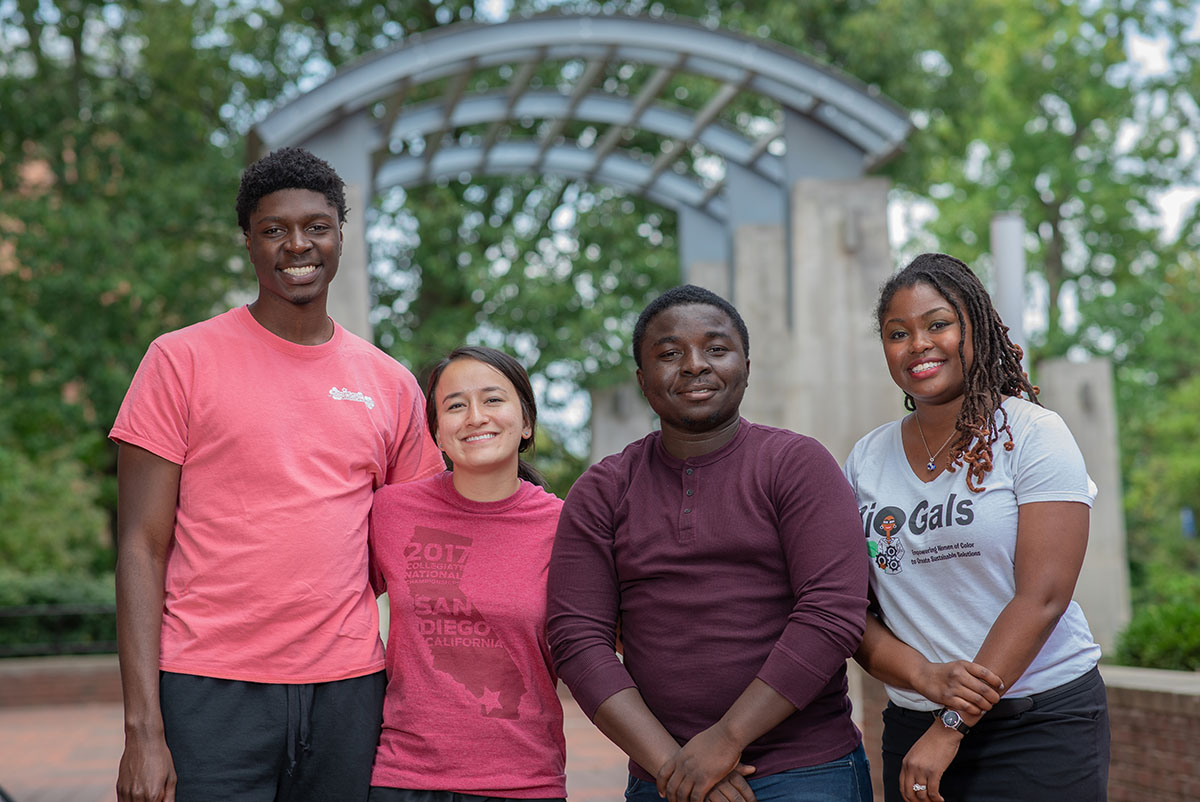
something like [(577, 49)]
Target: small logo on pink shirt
[(349, 395)]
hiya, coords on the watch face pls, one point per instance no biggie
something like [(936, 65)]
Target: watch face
[(954, 721)]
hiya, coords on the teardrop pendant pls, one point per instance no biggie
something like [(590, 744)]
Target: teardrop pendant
[(930, 466)]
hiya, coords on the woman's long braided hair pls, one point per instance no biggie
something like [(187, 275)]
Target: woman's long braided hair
[(995, 370)]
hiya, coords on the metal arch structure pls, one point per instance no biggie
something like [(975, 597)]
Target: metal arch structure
[(788, 226), (376, 122), (762, 153), (848, 109)]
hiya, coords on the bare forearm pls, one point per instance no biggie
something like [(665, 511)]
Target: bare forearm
[(628, 722), (970, 688), (139, 625), (759, 709), (1016, 637), (887, 658)]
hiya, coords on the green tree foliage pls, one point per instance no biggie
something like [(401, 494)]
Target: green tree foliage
[(49, 519), (114, 213), (51, 612), (1163, 480), (122, 135), (1035, 106), (557, 464), (1165, 630), (554, 271)]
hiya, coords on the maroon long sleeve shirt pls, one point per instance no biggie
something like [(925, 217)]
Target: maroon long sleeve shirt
[(745, 562)]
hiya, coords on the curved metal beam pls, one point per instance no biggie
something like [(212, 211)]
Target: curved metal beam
[(507, 158), (428, 118), (845, 107)]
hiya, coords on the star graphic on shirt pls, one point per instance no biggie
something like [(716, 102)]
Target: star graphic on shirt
[(490, 700)]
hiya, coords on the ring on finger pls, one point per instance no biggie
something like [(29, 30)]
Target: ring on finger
[(918, 787)]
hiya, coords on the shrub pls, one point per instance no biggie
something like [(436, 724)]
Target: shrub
[(55, 613), (50, 521), (1165, 631)]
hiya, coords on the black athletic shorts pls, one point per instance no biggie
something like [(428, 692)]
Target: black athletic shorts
[(256, 742)]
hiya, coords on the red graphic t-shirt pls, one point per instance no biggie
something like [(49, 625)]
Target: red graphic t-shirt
[(472, 704)]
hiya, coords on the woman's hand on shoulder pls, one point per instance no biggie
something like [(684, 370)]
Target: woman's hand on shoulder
[(961, 685)]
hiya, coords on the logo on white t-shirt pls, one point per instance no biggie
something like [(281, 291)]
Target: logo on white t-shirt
[(888, 550), (349, 395), (882, 528)]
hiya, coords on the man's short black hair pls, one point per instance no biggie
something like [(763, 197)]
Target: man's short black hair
[(681, 296), (288, 168)]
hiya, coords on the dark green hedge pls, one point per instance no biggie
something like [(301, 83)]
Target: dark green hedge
[(52, 613), (1165, 630)]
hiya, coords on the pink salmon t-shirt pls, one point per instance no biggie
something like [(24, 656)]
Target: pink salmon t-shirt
[(281, 447), (472, 703)]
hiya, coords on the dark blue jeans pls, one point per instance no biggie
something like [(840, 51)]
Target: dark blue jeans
[(847, 779)]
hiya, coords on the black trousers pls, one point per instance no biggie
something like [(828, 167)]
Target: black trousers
[(1051, 747), (255, 742)]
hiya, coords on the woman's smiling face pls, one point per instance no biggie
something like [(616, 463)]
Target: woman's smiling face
[(479, 418), (921, 336)]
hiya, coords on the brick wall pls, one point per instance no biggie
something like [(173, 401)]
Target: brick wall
[(59, 680), (1154, 717)]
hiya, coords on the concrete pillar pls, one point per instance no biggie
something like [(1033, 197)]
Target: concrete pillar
[(1008, 279), (832, 381), (760, 286), (350, 295), (341, 145), (759, 220), (1082, 393), (620, 415)]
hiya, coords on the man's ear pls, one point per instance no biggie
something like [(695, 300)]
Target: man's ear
[(641, 382)]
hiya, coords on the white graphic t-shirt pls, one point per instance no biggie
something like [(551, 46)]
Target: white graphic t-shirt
[(943, 556)]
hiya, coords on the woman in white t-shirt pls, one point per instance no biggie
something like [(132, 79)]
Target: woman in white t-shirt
[(975, 507)]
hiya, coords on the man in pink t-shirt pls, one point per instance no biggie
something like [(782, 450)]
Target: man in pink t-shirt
[(250, 447)]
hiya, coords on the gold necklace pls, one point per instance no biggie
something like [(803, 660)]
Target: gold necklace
[(931, 466)]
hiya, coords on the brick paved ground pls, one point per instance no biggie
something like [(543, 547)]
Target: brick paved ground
[(60, 753), (69, 753)]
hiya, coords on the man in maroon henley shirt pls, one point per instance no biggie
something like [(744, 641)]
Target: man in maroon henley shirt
[(731, 554)]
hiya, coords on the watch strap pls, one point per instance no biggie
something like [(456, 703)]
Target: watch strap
[(958, 724)]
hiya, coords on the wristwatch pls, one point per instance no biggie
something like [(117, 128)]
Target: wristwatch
[(952, 720)]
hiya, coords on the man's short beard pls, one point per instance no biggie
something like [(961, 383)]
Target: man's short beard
[(708, 422)]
